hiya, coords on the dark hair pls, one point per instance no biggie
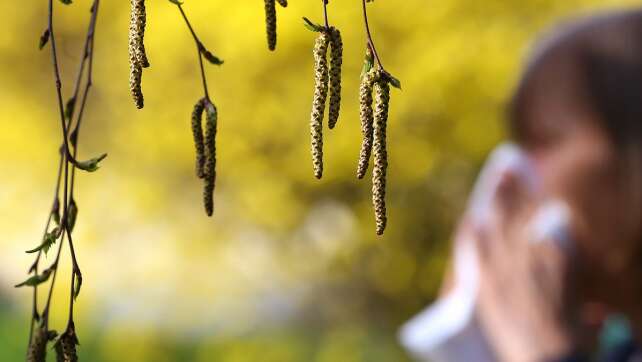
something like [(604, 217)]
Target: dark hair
[(598, 63)]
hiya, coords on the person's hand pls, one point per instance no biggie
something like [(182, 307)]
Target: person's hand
[(523, 283)]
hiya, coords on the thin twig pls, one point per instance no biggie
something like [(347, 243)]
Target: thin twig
[(88, 56), (370, 41), (325, 14), (199, 47), (54, 267), (76, 273), (70, 319), (200, 63), (61, 107), (34, 267), (63, 221)]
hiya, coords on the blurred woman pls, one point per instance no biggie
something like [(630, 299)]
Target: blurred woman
[(552, 240), (577, 114)]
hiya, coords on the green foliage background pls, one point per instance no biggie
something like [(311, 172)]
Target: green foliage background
[(290, 268)]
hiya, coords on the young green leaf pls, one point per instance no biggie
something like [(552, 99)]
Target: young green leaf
[(73, 136), (44, 39), (77, 284), (213, 59), (55, 211), (36, 279), (90, 165), (69, 108), (394, 82), (49, 240), (312, 26), (72, 212)]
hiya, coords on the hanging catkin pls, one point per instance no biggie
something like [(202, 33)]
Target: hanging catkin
[(270, 23), (137, 25), (66, 349), (135, 78), (197, 131), (38, 347), (283, 3), (141, 54), (336, 61), (366, 115), (382, 102), (210, 157), (318, 105), (137, 57)]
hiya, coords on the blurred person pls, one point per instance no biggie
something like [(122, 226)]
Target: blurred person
[(539, 290)]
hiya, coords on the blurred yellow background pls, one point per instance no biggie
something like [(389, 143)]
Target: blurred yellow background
[(289, 269)]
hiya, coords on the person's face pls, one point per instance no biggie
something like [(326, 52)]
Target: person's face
[(577, 164)]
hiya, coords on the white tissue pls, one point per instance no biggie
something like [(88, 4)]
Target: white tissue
[(551, 224), (504, 159), (449, 330)]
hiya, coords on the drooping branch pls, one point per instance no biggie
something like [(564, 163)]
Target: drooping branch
[(66, 159)]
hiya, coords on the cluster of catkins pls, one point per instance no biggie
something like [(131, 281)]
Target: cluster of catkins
[(270, 20), (327, 80), (206, 149), (327, 84), (64, 346), (205, 140), (373, 111), (373, 128), (137, 56)]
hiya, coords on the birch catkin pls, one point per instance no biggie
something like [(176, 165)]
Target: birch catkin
[(367, 116), (318, 105), (283, 3), (336, 61), (38, 347), (137, 57), (382, 102), (197, 131), (141, 54), (210, 157), (135, 78), (137, 25), (66, 349), (270, 23)]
